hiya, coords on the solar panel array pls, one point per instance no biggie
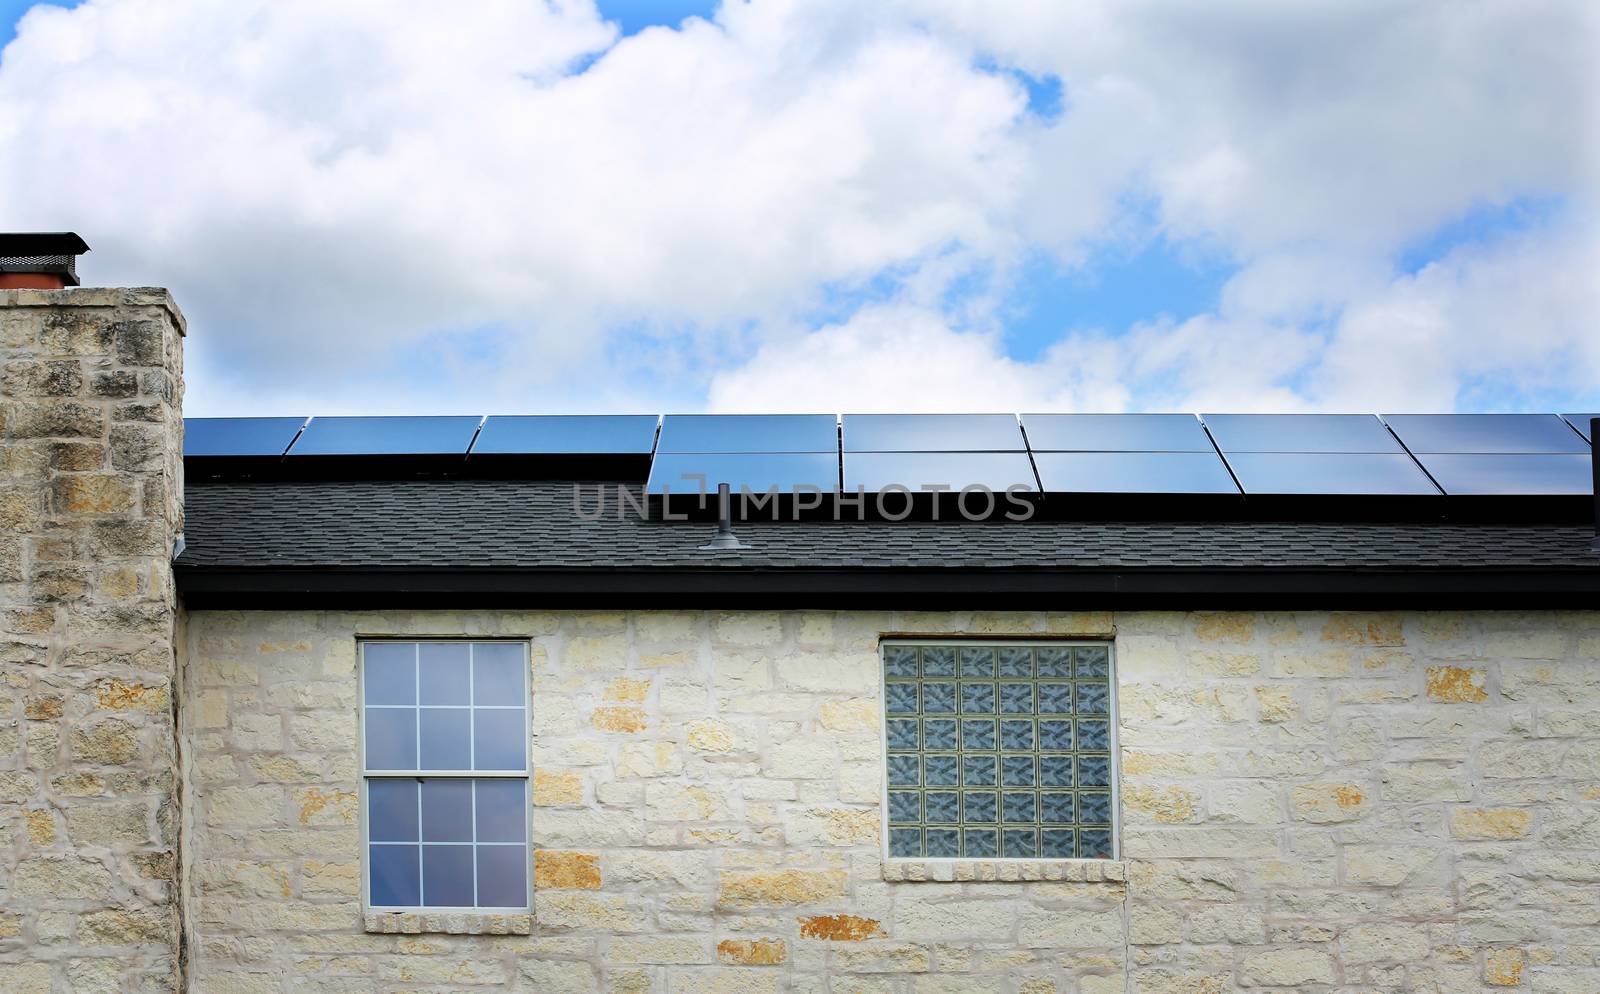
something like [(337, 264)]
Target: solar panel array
[(1209, 454)]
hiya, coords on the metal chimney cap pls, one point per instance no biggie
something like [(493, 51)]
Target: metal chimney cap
[(13, 244)]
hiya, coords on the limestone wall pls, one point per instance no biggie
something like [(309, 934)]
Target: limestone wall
[(90, 499), (1318, 802)]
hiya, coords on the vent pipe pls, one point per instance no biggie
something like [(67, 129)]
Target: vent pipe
[(40, 261), (724, 540)]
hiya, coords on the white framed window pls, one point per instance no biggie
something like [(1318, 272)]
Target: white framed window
[(999, 750), (444, 762)]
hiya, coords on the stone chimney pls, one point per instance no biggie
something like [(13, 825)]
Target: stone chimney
[(91, 493)]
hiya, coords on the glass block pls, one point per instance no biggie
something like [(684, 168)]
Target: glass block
[(1021, 843), (394, 877), (502, 810), (389, 673), (900, 698), (1016, 733), (1055, 807), (1056, 662), (939, 660), (447, 810), (1017, 771), (939, 771), (939, 698), (497, 672), (391, 810), (979, 806), (446, 738), (905, 842), (978, 771), (979, 843), (1055, 698), (901, 734), (943, 843), (1094, 661), (1094, 734), (1094, 808), (977, 735), (500, 739), (444, 673), (1016, 698), (1055, 771), (905, 807), (1094, 843), (900, 660), (939, 734), (1094, 771), (1055, 735), (1018, 806), (1016, 660), (1057, 843), (391, 739), (502, 877), (977, 698), (903, 771), (1094, 698), (977, 662), (942, 806), (447, 876)]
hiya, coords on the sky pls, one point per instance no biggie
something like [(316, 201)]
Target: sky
[(823, 205)]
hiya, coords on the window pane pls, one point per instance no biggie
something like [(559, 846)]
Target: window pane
[(446, 739), (502, 810), (391, 739), (392, 810), (500, 740), (502, 877), (497, 669), (390, 675), (447, 810), (392, 873), (442, 671), (447, 876)]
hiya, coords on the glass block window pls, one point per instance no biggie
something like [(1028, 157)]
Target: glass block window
[(999, 751), (445, 774)]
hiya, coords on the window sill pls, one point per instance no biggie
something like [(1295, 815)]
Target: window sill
[(1004, 870), (447, 923)]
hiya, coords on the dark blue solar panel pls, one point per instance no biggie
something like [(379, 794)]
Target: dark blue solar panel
[(1387, 473), (757, 471), (239, 436), (1582, 423), (567, 434), (1488, 433), (1134, 473), (749, 433), (873, 471), (1299, 433), (1115, 433), (396, 436), (1514, 475), (932, 433)]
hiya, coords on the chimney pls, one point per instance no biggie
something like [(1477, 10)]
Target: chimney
[(40, 261)]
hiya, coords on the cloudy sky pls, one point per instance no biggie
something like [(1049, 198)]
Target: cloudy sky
[(513, 207)]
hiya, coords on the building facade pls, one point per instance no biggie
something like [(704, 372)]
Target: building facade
[(618, 766)]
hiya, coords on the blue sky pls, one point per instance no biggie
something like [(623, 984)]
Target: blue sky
[(824, 207)]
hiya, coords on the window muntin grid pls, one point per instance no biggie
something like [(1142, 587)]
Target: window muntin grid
[(999, 750), (444, 743)]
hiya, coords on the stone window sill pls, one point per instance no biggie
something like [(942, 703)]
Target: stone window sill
[(1003, 870), (447, 923)]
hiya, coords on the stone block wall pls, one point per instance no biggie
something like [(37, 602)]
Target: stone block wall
[(1310, 801), (90, 502)]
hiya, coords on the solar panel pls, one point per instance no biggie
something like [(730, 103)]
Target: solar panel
[(567, 434), (1299, 433), (1115, 433), (757, 471), (1330, 473), (387, 436), (1582, 422), (1134, 473), (239, 436), (875, 471), (1485, 433), (749, 433), (1512, 474), (932, 433)]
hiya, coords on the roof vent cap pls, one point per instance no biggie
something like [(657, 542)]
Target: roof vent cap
[(45, 260)]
